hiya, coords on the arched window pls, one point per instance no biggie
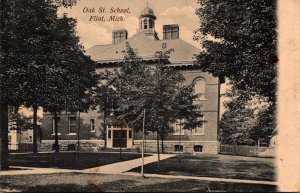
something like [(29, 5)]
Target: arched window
[(200, 88), (145, 24), (151, 24), (200, 129)]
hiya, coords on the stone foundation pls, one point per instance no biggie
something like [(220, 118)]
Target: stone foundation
[(70, 145), (210, 147)]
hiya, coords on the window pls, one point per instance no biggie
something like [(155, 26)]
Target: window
[(200, 88), (151, 24), (130, 134), (72, 125), (145, 24), (9, 139), (30, 139), (109, 134), (53, 124), (178, 125), (71, 147), (200, 129), (92, 124), (178, 148), (198, 148)]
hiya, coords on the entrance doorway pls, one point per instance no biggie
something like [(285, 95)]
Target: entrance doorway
[(120, 138)]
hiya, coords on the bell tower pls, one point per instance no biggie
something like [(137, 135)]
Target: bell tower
[(147, 23)]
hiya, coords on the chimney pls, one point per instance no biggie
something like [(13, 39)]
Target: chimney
[(171, 31), (119, 36)]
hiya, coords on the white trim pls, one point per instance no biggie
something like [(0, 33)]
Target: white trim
[(177, 130), (204, 91), (173, 141), (58, 124), (202, 127), (82, 140), (69, 125), (179, 133), (198, 134), (71, 134), (57, 134), (92, 125)]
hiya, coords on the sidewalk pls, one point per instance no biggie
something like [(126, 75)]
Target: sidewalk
[(124, 166), (121, 168), (115, 168)]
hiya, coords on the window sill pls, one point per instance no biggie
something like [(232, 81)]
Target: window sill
[(71, 134), (178, 134), (57, 134), (93, 131), (197, 134)]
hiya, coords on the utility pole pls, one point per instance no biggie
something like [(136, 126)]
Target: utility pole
[(143, 145), (179, 137)]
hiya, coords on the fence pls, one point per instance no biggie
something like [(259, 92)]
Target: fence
[(244, 150)]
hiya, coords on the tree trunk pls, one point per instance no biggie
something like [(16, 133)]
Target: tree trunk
[(162, 143), (56, 147), (35, 138), (3, 106), (4, 165), (104, 130), (158, 156)]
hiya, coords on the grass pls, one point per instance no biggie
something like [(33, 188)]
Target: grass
[(73, 182), (67, 160), (220, 166)]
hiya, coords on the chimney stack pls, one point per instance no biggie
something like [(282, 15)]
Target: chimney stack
[(119, 36), (171, 31)]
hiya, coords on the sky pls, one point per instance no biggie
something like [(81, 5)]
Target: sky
[(91, 33), (181, 12)]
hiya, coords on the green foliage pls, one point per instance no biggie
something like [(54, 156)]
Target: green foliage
[(246, 121), (240, 40), (18, 121), (42, 61), (157, 89)]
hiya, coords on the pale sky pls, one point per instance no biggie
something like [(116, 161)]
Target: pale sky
[(181, 12)]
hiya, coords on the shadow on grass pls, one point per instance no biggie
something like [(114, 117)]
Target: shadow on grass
[(205, 186), (134, 186), (69, 160), (214, 166)]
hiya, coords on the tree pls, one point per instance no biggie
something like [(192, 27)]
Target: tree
[(19, 123), (157, 89), (246, 121), (24, 51), (236, 125), (188, 110), (72, 80), (105, 97), (243, 43), (239, 40), (3, 104)]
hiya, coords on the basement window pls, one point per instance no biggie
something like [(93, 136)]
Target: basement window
[(178, 148), (198, 148)]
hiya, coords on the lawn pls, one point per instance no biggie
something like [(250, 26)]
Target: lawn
[(67, 160), (219, 166), (74, 182)]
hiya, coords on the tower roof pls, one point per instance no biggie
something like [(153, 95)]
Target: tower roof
[(147, 12)]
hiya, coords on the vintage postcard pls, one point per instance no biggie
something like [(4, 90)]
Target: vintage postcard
[(148, 95)]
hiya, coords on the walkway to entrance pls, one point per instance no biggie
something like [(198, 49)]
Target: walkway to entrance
[(124, 166)]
